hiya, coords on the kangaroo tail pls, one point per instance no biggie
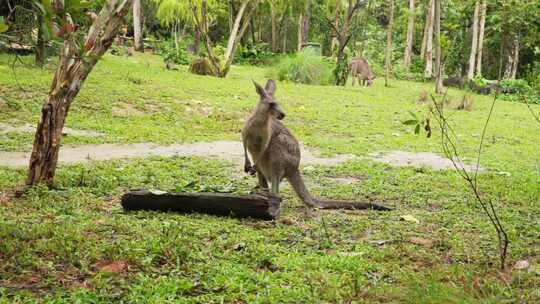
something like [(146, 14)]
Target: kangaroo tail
[(300, 188)]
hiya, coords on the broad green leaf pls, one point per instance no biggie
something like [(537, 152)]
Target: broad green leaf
[(410, 122)]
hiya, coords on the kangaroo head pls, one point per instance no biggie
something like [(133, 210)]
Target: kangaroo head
[(268, 104)]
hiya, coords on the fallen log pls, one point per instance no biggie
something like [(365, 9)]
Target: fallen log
[(259, 205)]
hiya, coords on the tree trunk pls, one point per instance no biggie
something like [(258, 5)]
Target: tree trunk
[(428, 72), (231, 16), (481, 39), (234, 38), (388, 56), (285, 34), (426, 30), (410, 32), (474, 41), (300, 33), (335, 40), (515, 60), (273, 15), (438, 50), (306, 23), (196, 42), (341, 71), (70, 75), (41, 45), (137, 29)]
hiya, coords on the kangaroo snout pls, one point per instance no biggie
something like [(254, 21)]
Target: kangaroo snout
[(280, 115)]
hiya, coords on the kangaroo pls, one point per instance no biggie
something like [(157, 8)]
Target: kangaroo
[(276, 152), (360, 69)]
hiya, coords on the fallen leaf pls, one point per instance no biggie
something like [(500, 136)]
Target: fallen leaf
[(111, 266), (522, 264), (409, 218), (421, 241)]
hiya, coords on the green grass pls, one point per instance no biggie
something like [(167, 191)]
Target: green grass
[(51, 240)]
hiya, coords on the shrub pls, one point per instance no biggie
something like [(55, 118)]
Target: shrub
[(304, 67), (168, 51), (259, 54), (517, 90)]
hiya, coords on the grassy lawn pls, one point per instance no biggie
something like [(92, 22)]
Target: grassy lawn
[(76, 245)]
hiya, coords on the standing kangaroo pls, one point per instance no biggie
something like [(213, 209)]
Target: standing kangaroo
[(276, 153)]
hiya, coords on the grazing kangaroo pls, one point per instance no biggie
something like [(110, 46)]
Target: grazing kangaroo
[(276, 153), (360, 69)]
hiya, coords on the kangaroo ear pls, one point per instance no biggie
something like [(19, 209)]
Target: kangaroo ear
[(270, 87), (259, 89)]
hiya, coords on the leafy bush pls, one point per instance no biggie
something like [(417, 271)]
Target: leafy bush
[(517, 90), (259, 54), (517, 86), (170, 53), (304, 67)]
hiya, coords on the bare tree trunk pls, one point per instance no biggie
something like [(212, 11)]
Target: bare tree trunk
[(69, 77), (196, 42), (285, 33), (300, 33), (516, 58), (137, 28), (303, 25), (389, 44), (481, 39), (273, 15), (438, 50), (234, 38), (341, 72), (41, 46), (335, 40), (474, 42), (428, 72), (429, 13), (231, 16), (410, 32)]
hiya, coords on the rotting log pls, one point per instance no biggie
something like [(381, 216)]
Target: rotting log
[(259, 205)]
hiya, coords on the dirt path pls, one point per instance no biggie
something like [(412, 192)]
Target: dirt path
[(228, 150)]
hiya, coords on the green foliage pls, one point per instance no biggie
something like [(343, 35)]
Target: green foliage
[(480, 81), (259, 54), (519, 90), (168, 51), (304, 67)]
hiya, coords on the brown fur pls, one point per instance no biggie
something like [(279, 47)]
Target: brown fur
[(361, 70), (276, 152)]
